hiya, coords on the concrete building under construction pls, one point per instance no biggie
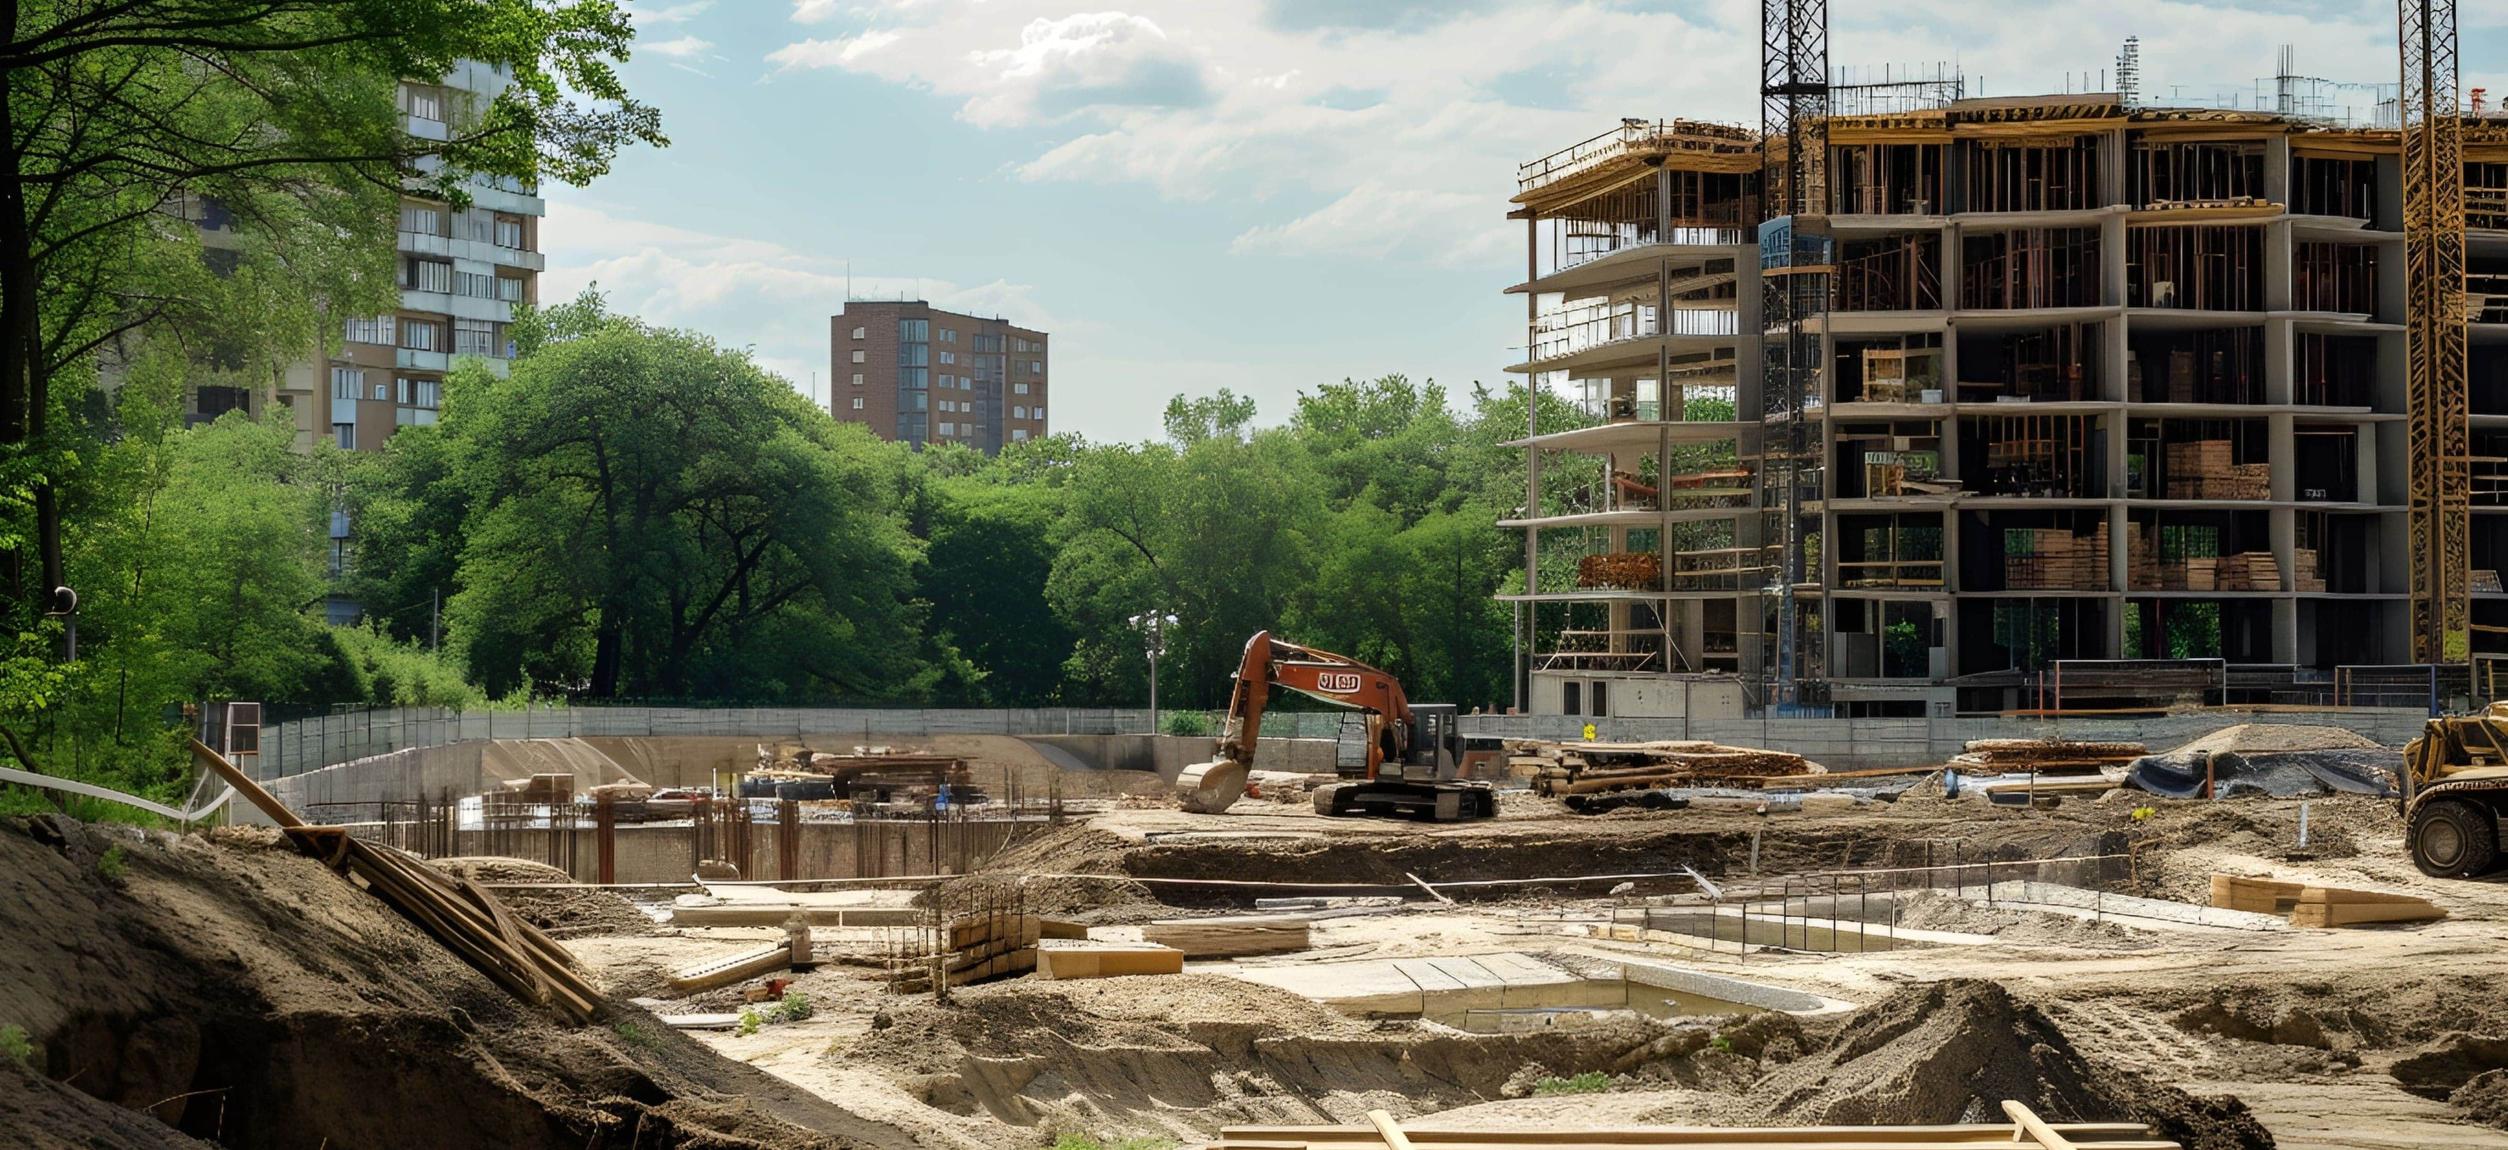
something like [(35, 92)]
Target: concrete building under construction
[(2103, 389)]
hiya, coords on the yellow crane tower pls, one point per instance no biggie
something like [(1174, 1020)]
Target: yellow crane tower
[(2434, 333)]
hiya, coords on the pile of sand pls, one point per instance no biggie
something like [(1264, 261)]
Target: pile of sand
[(232, 988), (561, 911), (1953, 1051)]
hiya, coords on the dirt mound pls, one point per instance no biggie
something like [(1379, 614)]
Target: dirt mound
[(234, 988), (1181, 1056), (2452, 1061), (1936, 910), (2484, 1099), (2276, 738), (560, 911), (1075, 849), (1954, 1051)]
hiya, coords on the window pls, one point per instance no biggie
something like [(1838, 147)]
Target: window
[(949, 429), (919, 401), (509, 289), (477, 285), (1018, 413), (1037, 414), (418, 335), (857, 333), (857, 403), (421, 392), (914, 330), (476, 225), (429, 275), (914, 354), (347, 382), (509, 231), (948, 356), (857, 379), (1018, 435), (913, 378), (1019, 389), (422, 102), (1036, 367), (857, 355), (424, 219), (377, 329), (344, 434), (474, 337)]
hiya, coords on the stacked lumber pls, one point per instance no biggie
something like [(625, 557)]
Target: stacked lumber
[(2142, 563), (1627, 570), (2483, 579), (2247, 571), (1096, 959), (466, 918), (2314, 905), (1229, 937), (2021, 756), (976, 947), (2054, 559), (2203, 469), (1562, 769), (873, 773), (2304, 575)]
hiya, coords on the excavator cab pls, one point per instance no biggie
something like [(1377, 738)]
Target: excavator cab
[(1426, 750)]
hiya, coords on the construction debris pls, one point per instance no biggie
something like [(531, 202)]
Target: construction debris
[(1562, 769), (2022, 756), (869, 774)]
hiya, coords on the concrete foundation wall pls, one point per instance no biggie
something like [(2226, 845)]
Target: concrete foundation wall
[(667, 853)]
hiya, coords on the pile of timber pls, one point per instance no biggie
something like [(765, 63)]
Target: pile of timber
[(1381, 1131), (2305, 577), (2054, 559), (1627, 570), (467, 918), (870, 774), (2058, 756), (975, 947), (2202, 470), (2247, 571), (1229, 937), (1093, 958), (1562, 769), (2313, 905)]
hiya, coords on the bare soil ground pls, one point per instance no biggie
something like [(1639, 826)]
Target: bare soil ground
[(225, 988)]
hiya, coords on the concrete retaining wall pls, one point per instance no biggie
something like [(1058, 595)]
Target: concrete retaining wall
[(1853, 744)]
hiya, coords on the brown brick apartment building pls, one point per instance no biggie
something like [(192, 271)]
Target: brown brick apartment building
[(914, 373)]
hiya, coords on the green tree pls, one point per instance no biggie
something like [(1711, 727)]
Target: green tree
[(119, 119), (652, 514), (990, 555)]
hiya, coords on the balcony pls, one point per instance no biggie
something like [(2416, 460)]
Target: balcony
[(1598, 325), (417, 359)]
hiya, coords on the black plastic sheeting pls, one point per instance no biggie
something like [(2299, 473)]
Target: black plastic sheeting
[(2282, 774)]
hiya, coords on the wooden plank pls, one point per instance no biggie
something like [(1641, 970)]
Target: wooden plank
[(732, 968), (1106, 960), (1229, 937)]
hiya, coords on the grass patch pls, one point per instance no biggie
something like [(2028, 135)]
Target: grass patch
[(1590, 1082), (113, 865), (632, 1034), (749, 1023), (1085, 1142), (14, 1044)]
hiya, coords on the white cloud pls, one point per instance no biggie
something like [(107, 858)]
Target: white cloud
[(649, 15), (814, 11), (683, 48), (838, 53)]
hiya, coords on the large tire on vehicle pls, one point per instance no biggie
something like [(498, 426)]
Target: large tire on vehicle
[(2454, 839)]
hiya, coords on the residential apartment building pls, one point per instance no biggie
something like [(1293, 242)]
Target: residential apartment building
[(462, 272), (2097, 382), (915, 374)]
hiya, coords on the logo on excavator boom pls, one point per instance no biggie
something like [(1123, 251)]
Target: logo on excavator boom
[(1339, 682)]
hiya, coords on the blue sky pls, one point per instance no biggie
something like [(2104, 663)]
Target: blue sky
[(1255, 194)]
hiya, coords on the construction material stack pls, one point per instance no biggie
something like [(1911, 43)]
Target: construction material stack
[(2204, 469), (1586, 768), (2043, 756)]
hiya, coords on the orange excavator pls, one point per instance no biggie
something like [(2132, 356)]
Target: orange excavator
[(1396, 757)]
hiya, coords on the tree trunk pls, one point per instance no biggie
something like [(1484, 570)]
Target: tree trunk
[(607, 653)]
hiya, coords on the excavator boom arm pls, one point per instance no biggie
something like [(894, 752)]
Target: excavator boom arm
[(1309, 671)]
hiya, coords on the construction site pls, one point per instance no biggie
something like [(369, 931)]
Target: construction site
[(2005, 660)]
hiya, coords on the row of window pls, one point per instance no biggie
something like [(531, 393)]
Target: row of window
[(439, 276), (477, 224), (469, 336), (349, 383)]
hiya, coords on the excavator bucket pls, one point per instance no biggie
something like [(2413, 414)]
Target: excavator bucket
[(1209, 788)]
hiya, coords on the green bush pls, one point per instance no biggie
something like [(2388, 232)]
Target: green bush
[(1590, 1082), (1185, 723), (388, 673), (749, 1023), (14, 1044), (795, 1007), (113, 864)]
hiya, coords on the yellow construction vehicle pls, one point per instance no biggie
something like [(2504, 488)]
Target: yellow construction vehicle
[(2455, 787)]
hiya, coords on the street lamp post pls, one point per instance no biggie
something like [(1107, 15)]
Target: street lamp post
[(1153, 627)]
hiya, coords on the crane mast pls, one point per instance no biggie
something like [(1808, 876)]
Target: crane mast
[(1794, 267), (2439, 454)]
